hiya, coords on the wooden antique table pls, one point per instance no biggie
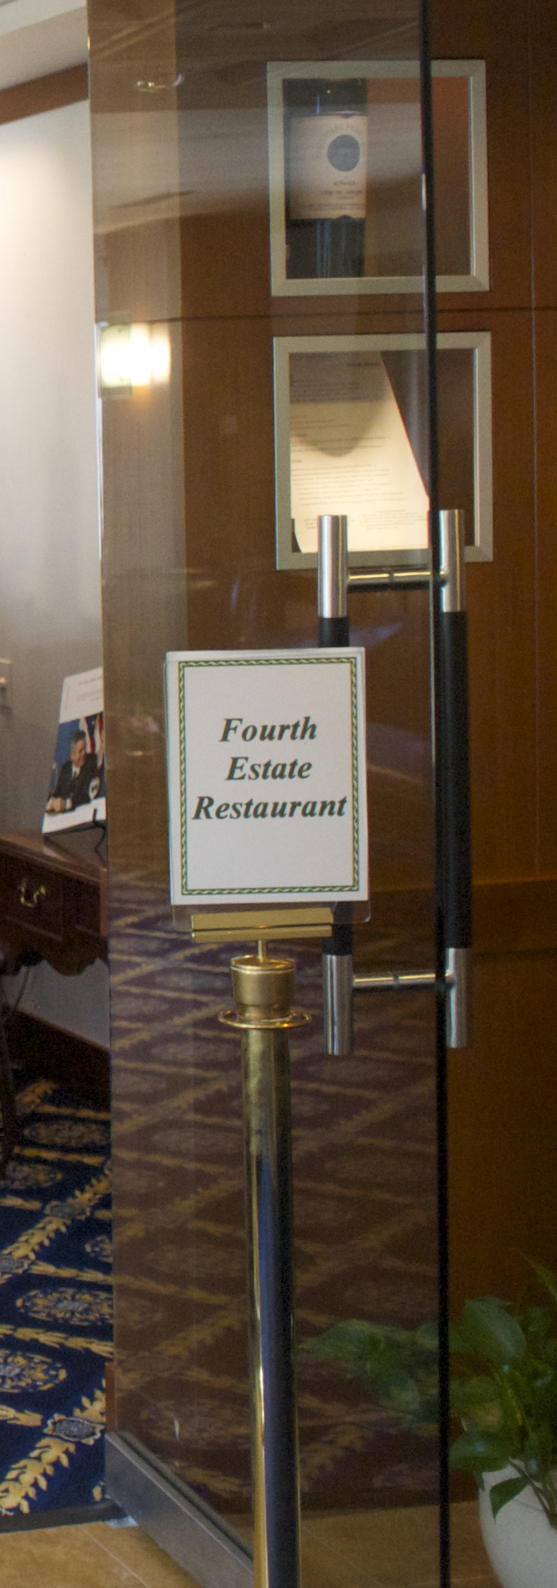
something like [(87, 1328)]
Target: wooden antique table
[(53, 907), (52, 901)]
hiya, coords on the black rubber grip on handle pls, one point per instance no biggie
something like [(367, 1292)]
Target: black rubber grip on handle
[(455, 780), (340, 941), (334, 631)]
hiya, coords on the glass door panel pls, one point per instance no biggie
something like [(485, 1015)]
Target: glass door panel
[(214, 256)]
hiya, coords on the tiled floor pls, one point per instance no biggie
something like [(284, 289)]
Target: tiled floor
[(385, 1549)]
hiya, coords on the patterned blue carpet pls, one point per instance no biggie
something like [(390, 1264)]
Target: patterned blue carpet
[(55, 1304)]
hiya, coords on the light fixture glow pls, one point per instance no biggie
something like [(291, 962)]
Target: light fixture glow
[(132, 356), (139, 356), (160, 357)]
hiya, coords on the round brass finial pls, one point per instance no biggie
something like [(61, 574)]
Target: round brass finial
[(263, 989)]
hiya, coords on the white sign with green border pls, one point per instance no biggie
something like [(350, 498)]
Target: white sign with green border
[(266, 776)]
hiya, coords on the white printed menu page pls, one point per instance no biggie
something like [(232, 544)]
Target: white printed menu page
[(351, 454)]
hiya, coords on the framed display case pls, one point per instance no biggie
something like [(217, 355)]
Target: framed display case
[(351, 438), (345, 176)]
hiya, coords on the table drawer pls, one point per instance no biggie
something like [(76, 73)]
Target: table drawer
[(31, 896), (86, 910)]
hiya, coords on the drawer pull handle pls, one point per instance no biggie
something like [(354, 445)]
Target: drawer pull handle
[(28, 896)]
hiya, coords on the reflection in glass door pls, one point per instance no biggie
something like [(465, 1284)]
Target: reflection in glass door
[(221, 244)]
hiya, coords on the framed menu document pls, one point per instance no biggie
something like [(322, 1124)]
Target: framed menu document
[(351, 438)]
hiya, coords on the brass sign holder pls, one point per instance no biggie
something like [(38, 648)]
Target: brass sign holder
[(263, 990)]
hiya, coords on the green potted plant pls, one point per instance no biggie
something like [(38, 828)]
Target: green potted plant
[(503, 1392)]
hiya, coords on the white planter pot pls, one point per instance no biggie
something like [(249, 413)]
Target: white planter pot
[(521, 1545)]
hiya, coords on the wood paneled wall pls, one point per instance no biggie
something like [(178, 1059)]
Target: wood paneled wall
[(502, 1095), (43, 93)]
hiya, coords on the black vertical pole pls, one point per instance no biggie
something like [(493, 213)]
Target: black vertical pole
[(333, 631), (438, 746)]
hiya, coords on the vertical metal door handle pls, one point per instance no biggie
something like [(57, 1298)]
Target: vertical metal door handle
[(334, 629), (454, 777)]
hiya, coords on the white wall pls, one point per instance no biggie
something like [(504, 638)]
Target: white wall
[(40, 36), (49, 541)]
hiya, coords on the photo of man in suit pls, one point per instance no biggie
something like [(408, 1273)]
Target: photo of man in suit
[(75, 779)]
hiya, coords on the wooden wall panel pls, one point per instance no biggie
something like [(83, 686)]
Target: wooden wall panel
[(515, 917), (228, 427), (501, 604), (138, 271), (43, 93), (544, 149), (502, 1099), (502, 1128), (546, 364), (496, 32)]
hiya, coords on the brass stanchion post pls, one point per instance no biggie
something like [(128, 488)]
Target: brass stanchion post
[(263, 989)]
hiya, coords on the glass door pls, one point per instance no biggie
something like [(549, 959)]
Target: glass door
[(263, 360)]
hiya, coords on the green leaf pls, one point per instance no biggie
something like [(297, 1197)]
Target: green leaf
[(489, 1330), (427, 1335), (536, 1321), (539, 1450), (401, 1392), (365, 1351), (345, 1342), (348, 1336), (501, 1493), (457, 1341), (477, 1400), (548, 1278), (479, 1452)]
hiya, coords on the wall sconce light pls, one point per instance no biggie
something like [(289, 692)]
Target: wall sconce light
[(132, 356)]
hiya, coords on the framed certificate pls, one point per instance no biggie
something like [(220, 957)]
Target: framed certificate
[(351, 438), (345, 176)]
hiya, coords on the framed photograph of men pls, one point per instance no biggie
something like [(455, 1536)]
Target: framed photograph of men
[(77, 792)]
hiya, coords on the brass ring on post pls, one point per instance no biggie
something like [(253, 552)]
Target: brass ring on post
[(263, 989)]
